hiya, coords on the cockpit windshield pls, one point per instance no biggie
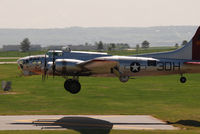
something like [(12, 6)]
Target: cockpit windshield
[(55, 53)]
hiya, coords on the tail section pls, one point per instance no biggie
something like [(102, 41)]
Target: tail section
[(191, 51), (196, 45)]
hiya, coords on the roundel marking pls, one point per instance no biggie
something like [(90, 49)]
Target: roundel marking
[(135, 67)]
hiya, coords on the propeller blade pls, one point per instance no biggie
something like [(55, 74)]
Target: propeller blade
[(45, 68), (53, 66)]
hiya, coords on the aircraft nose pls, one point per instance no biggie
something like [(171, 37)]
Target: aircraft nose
[(20, 63)]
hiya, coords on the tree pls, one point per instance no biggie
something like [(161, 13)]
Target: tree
[(184, 43), (25, 45), (145, 44), (86, 44), (137, 48), (99, 45), (109, 48), (113, 45), (176, 46), (126, 45)]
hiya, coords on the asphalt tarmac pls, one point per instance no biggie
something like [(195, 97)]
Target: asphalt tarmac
[(82, 123)]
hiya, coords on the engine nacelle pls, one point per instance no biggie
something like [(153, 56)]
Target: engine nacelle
[(62, 66)]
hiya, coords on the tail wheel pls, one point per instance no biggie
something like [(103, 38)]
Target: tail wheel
[(183, 79)]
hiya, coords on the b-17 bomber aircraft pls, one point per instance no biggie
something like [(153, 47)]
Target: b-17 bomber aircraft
[(67, 63)]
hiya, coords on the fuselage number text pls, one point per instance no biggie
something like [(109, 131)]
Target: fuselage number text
[(168, 66)]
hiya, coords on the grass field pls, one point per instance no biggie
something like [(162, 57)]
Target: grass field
[(8, 60), (19, 54), (163, 97)]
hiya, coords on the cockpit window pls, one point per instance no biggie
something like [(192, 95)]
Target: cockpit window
[(35, 61), (25, 61), (50, 54)]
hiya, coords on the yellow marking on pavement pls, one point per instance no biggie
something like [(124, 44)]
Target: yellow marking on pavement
[(29, 120), (47, 122)]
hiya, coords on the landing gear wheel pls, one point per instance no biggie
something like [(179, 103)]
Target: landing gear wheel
[(67, 83), (73, 86), (183, 79), (124, 78)]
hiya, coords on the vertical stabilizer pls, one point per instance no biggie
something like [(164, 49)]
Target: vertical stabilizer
[(196, 45)]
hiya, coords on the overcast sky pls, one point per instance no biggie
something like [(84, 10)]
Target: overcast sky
[(97, 13)]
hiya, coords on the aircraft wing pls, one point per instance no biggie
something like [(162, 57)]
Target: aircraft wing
[(98, 66)]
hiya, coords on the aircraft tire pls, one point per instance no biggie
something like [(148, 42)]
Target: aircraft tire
[(124, 78), (67, 83), (73, 86), (183, 79)]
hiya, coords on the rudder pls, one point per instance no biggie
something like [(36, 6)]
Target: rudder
[(196, 45)]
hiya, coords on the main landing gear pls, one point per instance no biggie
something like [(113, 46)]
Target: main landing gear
[(72, 85)]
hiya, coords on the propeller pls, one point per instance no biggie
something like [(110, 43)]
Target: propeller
[(44, 75), (53, 66), (45, 68)]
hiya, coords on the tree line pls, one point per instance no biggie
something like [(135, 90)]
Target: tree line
[(184, 42), (145, 44), (25, 45), (111, 46)]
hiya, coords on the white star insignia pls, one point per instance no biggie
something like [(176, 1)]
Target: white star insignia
[(135, 67)]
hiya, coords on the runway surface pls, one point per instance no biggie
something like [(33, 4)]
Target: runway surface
[(9, 62), (83, 122)]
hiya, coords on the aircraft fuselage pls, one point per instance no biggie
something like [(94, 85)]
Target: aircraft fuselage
[(143, 66)]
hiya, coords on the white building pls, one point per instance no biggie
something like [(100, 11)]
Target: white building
[(11, 48)]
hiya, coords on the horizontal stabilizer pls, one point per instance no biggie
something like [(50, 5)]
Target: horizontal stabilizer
[(192, 63)]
